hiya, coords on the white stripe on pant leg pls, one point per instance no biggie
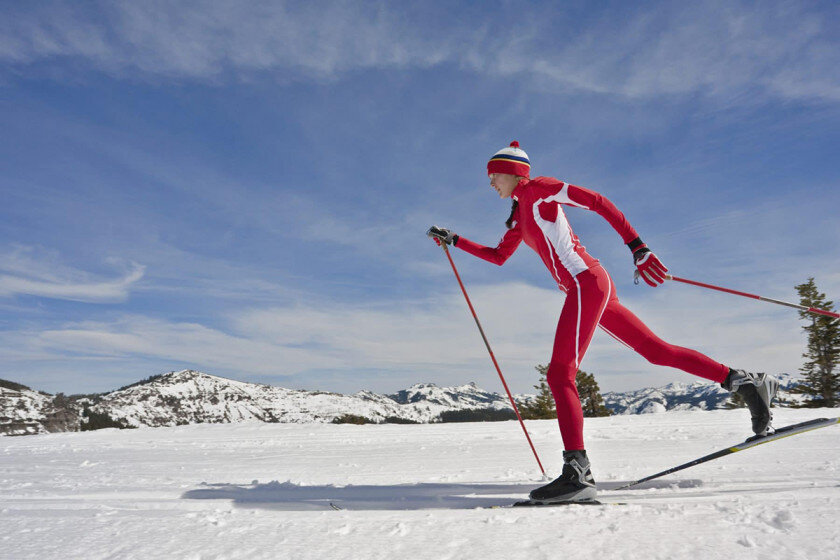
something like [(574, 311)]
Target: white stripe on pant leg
[(597, 322), (615, 337), (606, 301), (577, 328), (606, 330)]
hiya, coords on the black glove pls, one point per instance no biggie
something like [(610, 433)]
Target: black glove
[(442, 234)]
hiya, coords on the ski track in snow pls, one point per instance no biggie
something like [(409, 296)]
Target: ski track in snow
[(418, 491)]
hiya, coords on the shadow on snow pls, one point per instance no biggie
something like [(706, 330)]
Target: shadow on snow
[(294, 497)]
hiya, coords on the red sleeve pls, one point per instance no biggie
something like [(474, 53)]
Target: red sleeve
[(591, 200), (498, 255)]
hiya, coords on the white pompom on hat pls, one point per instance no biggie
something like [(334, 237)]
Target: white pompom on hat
[(512, 160)]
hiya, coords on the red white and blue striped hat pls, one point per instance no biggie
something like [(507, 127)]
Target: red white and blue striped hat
[(512, 160)]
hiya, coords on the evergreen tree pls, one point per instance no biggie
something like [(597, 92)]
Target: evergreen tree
[(477, 415), (543, 406), (352, 419), (98, 420), (590, 395), (821, 372)]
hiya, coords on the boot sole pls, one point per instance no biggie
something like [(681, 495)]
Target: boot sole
[(538, 503), (583, 495), (766, 391)]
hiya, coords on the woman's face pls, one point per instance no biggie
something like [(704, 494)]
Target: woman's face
[(504, 183)]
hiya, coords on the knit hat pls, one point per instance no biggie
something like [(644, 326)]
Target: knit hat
[(512, 160)]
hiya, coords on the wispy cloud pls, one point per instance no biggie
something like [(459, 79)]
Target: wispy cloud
[(202, 40), (433, 340), (428, 336), (25, 271), (713, 48)]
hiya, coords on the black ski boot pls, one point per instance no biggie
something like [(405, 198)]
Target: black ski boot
[(758, 390), (574, 485)]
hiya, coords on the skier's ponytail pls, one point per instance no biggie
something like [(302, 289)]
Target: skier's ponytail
[(513, 207)]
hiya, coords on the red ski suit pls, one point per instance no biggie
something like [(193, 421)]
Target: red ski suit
[(591, 299)]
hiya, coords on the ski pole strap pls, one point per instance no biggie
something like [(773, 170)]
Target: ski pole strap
[(753, 296)]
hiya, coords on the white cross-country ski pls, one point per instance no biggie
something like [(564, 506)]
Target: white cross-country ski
[(780, 433), (533, 503)]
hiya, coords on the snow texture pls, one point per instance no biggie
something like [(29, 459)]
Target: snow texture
[(263, 490)]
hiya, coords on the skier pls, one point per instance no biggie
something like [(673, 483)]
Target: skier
[(537, 218)]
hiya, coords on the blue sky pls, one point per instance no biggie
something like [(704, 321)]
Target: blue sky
[(244, 188)]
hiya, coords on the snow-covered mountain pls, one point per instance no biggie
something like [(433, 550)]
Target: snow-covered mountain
[(189, 397), (25, 411), (450, 398), (192, 397), (700, 395)]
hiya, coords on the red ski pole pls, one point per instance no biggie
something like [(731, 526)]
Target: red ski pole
[(492, 357), (753, 296)]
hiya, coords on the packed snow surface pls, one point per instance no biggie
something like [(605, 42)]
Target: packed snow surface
[(257, 490)]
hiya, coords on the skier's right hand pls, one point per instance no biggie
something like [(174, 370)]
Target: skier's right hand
[(440, 234), (648, 265)]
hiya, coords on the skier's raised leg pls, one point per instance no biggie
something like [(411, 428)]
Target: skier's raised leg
[(757, 389)]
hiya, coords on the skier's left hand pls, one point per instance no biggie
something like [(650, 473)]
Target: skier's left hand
[(442, 235), (649, 267)]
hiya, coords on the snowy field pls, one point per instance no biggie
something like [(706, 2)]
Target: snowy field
[(418, 491)]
